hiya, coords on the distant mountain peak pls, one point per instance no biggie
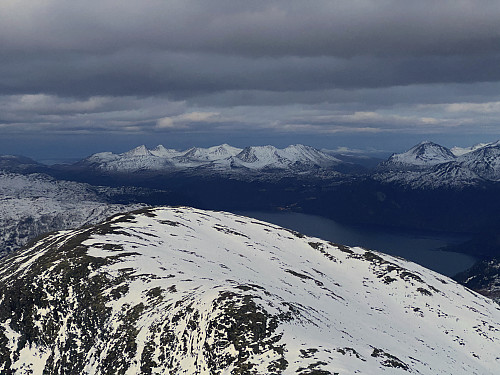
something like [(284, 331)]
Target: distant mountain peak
[(431, 150), (422, 155), (138, 151), (161, 151)]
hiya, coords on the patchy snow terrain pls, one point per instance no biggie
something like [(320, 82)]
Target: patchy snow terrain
[(186, 291), (483, 277), (33, 204)]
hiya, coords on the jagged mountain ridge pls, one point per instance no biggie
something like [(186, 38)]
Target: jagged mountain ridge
[(424, 166), (484, 161), (180, 290), (223, 157), (431, 166)]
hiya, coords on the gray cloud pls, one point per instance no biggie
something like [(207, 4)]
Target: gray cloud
[(270, 28), (184, 48), (222, 66), (180, 76)]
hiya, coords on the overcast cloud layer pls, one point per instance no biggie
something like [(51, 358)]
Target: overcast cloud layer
[(223, 67)]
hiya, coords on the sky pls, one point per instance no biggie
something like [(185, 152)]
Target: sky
[(78, 77)]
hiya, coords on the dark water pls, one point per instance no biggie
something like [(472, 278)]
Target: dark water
[(419, 247)]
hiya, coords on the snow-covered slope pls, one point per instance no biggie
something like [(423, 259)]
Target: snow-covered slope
[(430, 166), (31, 205), (217, 158), (137, 159), (450, 175), (212, 153), (484, 161), (423, 155), (459, 151), (185, 291), (294, 156)]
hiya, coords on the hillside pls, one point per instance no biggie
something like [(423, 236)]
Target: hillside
[(186, 291)]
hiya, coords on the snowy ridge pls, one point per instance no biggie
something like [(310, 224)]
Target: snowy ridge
[(484, 161), (430, 166), (186, 291), (459, 151), (217, 158), (289, 157)]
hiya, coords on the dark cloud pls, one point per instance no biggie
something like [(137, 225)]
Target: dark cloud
[(256, 28), (184, 48), (181, 76)]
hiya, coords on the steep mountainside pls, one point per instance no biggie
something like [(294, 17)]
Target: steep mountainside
[(484, 161), (31, 205), (450, 175), (185, 291), (484, 278)]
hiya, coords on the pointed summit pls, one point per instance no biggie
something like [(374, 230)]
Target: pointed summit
[(212, 153), (429, 153), (161, 151), (138, 151), (423, 155)]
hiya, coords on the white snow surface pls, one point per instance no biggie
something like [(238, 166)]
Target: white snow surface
[(223, 157), (351, 311)]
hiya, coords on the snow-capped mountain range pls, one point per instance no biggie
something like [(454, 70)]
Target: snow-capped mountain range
[(424, 166), (429, 165), (217, 158), (186, 291)]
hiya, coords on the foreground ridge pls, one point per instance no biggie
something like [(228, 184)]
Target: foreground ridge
[(187, 291)]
